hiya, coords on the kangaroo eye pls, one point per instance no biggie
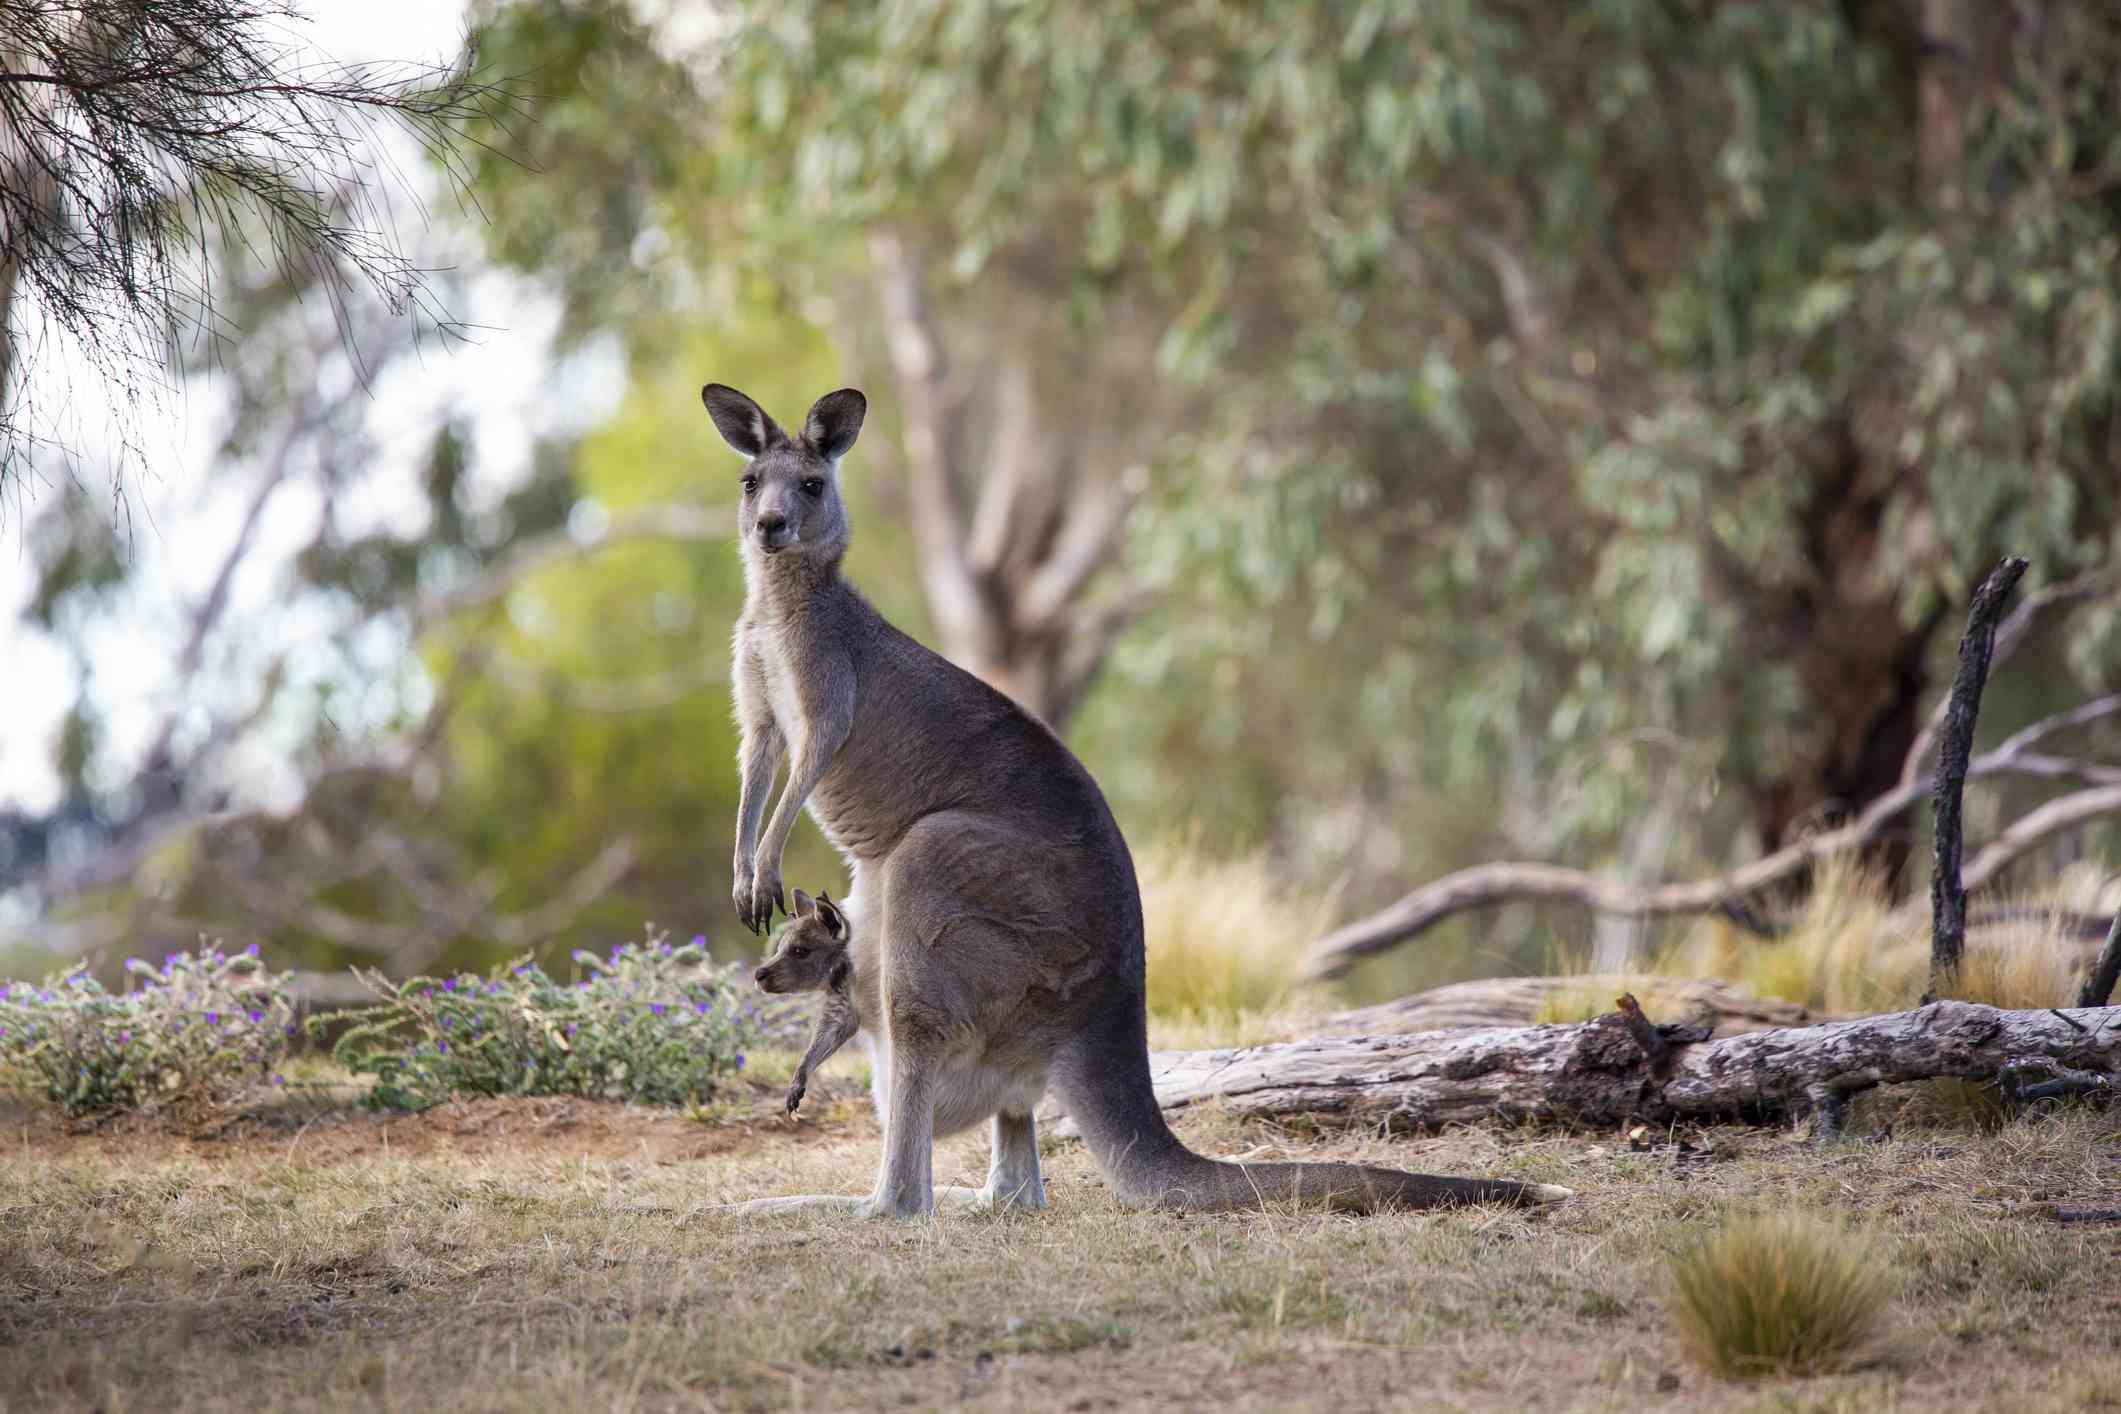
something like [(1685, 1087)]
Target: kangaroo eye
[(751, 484), (799, 951), (814, 486)]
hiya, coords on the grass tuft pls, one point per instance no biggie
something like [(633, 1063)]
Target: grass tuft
[(2025, 965), (1779, 1293), (1225, 943)]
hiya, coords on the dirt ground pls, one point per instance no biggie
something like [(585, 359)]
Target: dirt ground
[(545, 1254)]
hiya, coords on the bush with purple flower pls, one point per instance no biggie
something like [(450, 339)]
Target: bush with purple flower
[(194, 1029), (652, 1022)]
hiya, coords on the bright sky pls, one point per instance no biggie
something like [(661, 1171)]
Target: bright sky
[(185, 510)]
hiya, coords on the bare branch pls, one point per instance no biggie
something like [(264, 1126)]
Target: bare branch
[(1486, 885), (997, 520), (2057, 816), (2009, 634), (1088, 538)]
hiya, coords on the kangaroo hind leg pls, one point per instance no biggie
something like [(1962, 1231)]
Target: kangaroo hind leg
[(1013, 1179)]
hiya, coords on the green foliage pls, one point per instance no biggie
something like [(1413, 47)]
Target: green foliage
[(1778, 1294), (654, 1022), (197, 1030)]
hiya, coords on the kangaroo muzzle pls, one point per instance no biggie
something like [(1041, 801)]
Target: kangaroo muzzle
[(774, 531)]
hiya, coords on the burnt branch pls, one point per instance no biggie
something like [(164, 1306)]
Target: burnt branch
[(2099, 983), (1954, 752)]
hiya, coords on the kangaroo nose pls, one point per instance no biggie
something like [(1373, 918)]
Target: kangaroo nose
[(759, 975), (772, 523)]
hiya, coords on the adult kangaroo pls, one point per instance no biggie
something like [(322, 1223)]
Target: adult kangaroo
[(997, 923)]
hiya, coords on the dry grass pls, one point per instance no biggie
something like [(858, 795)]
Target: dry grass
[(2027, 964), (1846, 954), (545, 1254), (1225, 941), (1778, 1293)]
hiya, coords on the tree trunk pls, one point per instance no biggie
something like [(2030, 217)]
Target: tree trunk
[(1596, 1074), (1007, 554)]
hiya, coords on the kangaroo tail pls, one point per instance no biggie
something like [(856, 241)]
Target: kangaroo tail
[(1145, 1163), (1186, 1180)]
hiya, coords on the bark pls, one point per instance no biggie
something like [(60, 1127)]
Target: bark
[(1517, 1001), (1954, 753), (1595, 1073)]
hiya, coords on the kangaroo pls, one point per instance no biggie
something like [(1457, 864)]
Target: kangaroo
[(994, 905), (813, 958)]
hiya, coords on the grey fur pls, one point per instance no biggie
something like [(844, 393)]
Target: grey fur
[(997, 926), (813, 957)]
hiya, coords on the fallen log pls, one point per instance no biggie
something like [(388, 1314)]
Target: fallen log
[(1518, 1001), (1595, 1073)]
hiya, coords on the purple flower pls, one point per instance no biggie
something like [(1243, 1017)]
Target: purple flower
[(441, 1048), (699, 940), (739, 1060), (257, 1016), (656, 1007), (213, 1018), (279, 1079), (124, 1036), (700, 1007), (251, 951), (447, 1021), (450, 985)]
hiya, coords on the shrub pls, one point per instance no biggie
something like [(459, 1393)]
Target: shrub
[(196, 1030), (653, 1022), (1778, 1294)]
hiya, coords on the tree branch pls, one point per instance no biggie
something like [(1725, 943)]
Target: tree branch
[(1486, 885), (2009, 634)]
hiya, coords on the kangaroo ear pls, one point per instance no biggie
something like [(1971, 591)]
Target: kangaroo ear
[(742, 422), (835, 920), (804, 905), (834, 421)]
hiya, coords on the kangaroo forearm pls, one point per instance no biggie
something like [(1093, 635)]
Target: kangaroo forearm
[(807, 767), (823, 1047), (758, 771)]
